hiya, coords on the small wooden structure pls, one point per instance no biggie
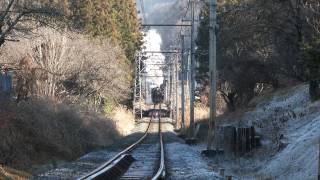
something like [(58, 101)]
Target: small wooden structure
[(238, 140)]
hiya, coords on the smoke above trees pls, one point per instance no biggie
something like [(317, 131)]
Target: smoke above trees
[(164, 12)]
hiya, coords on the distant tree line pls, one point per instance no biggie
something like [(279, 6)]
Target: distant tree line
[(261, 45)]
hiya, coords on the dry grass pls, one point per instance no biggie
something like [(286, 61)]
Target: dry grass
[(124, 120), (41, 130), (201, 113)]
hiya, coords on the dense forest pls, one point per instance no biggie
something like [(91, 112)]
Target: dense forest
[(262, 45)]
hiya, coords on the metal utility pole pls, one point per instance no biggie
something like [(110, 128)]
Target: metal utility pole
[(188, 73), (137, 100), (140, 88), (177, 87), (170, 90), (135, 87), (182, 83), (212, 70), (192, 72), (145, 87)]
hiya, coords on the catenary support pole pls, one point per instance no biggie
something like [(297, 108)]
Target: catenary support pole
[(140, 88), (177, 88), (135, 87), (170, 90), (212, 70), (192, 72), (182, 84)]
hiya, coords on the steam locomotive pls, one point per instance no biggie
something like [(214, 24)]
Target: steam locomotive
[(157, 95)]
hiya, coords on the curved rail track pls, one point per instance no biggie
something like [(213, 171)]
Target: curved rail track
[(144, 159)]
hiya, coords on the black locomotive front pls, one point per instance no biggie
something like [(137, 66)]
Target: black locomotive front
[(157, 95)]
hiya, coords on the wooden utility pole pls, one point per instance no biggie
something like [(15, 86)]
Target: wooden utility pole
[(212, 70), (192, 72), (182, 84)]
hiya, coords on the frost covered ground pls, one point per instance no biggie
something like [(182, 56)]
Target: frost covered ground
[(289, 124), (184, 161)]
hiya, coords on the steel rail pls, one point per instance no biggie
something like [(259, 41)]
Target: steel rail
[(102, 169), (96, 172), (161, 171)]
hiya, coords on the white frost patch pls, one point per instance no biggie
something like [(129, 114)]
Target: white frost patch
[(292, 116), (288, 102), (299, 160)]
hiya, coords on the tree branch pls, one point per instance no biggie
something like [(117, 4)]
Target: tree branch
[(6, 11), (6, 31)]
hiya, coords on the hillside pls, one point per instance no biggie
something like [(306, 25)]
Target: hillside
[(289, 124)]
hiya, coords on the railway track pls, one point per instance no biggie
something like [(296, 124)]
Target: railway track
[(144, 159)]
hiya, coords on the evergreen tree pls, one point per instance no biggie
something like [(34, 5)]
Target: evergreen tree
[(114, 19)]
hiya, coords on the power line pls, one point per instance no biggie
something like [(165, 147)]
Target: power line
[(186, 13)]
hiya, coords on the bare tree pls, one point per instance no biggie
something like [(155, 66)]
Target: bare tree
[(261, 46), (71, 66), (14, 15)]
